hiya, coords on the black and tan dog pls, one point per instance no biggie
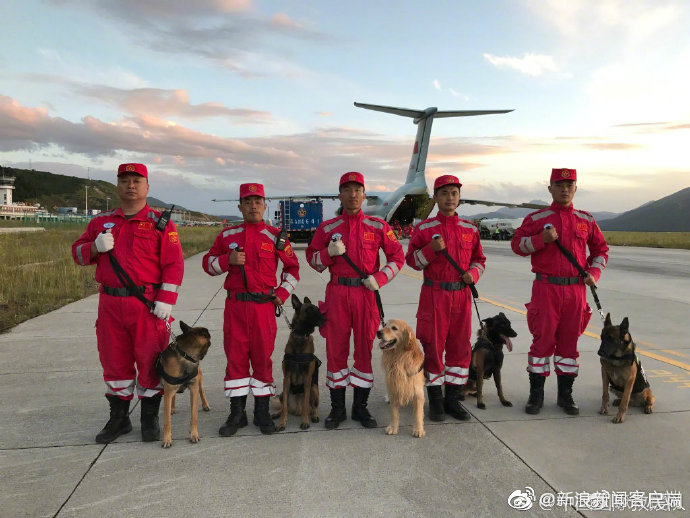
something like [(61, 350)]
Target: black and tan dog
[(300, 367), (178, 368), (487, 357), (622, 371)]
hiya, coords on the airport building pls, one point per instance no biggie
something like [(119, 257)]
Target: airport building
[(9, 209)]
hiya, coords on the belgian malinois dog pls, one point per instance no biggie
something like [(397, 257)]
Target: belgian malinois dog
[(487, 357), (178, 367), (622, 370), (300, 367)]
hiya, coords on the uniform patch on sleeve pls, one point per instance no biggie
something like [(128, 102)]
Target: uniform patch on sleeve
[(391, 235), (145, 225), (467, 236), (173, 237), (267, 246), (582, 226), (288, 251), (369, 236)]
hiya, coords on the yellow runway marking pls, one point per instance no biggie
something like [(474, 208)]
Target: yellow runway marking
[(643, 352)]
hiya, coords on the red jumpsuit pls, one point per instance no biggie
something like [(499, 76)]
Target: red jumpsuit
[(444, 317), (249, 328), (352, 309), (127, 332), (558, 313)]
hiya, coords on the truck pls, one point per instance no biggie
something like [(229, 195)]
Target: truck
[(300, 218)]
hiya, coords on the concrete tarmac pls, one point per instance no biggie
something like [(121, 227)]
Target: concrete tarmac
[(53, 406)]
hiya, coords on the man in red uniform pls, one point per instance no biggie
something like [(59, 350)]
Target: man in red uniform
[(444, 317), (249, 254), (127, 332), (350, 305), (558, 313)]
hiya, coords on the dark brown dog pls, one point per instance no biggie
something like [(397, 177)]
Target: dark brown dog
[(178, 368), (300, 367), (622, 371), (487, 357)]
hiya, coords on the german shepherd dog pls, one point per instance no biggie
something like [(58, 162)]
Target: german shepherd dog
[(487, 357), (178, 367), (300, 367), (622, 371)]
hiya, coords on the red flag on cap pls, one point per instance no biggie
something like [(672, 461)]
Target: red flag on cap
[(563, 173), (251, 189), (446, 179), (352, 176), (139, 169)]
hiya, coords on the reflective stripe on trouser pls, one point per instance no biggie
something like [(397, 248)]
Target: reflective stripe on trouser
[(129, 340), (444, 325), (554, 317), (350, 310), (249, 334)]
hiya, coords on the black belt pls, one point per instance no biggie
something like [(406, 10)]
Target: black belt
[(127, 292), (562, 281), (251, 296), (448, 286), (348, 281)]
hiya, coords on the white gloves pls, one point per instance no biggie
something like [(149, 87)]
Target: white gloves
[(162, 310), (336, 248), (370, 282), (105, 242)]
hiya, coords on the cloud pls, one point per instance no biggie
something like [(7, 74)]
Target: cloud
[(530, 64), (436, 84)]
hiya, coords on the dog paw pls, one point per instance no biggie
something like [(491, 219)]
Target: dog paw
[(304, 426), (604, 410), (418, 433), (173, 411), (481, 405), (281, 426), (194, 438), (206, 408), (505, 402), (616, 402), (167, 443), (648, 410), (618, 419), (314, 419), (391, 430)]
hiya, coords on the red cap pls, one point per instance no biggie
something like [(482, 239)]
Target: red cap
[(251, 189), (446, 179), (563, 174), (352, 176), (139, 169)]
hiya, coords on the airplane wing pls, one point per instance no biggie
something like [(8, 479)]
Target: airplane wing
[(504, 204), (406, 112), (289, 197)]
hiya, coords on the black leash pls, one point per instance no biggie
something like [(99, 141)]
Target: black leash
[(571, 259), (379, 304), (472, 287)]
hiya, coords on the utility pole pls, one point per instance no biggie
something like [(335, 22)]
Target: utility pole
[(86, 208)]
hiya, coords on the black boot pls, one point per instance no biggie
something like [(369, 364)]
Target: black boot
[(338, 413), (536, 393), (237, 418), (150, 429), (118, 424), (359, 408), (435, 394), (565, 395), (451, 403), (262, 418)]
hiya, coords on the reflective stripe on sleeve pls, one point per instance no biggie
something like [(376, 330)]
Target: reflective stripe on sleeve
[(316, 262), (167, 286), (526, 246), (391, 270), (419, 258), (214, 266)]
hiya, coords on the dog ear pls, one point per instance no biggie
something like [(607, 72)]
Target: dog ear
[(607, 322), (306, 300), (184, 327), (624, 326), (296, 304)]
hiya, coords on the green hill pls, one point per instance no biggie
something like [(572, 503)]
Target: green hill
[(669, 214)]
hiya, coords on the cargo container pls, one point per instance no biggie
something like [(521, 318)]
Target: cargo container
[(300, 218)]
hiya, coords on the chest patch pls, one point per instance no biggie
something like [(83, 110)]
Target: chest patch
[(467, 237), (369, 236), (582, 226), (145, 225), (267, 246), (109, 224)]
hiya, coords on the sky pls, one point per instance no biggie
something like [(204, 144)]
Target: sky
[(214, 93)]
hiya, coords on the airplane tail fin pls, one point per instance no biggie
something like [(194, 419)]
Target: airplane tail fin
[(424, 120)]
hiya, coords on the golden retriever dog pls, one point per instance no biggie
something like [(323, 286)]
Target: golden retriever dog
[(403, 363)]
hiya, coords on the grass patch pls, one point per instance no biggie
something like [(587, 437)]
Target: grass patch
[(649, 239), (38, 275)]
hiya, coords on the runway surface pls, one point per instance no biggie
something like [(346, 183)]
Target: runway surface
[(53, 405)]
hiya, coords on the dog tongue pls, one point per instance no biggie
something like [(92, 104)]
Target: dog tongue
[(508, 343)]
